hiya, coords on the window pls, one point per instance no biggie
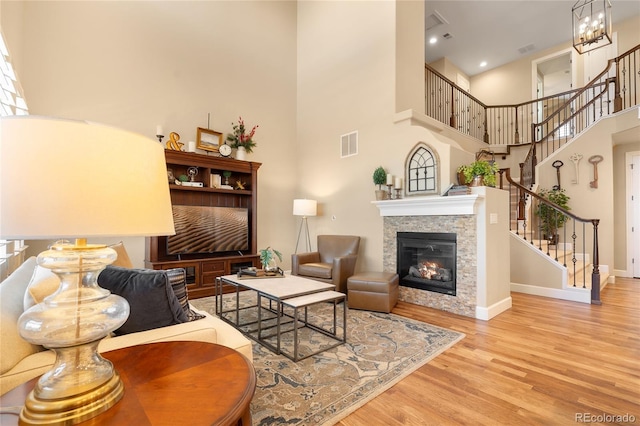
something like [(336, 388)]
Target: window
[(422, 171), (11, 256), (11, 99)]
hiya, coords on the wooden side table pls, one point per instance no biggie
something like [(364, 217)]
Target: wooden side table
[(171, 383)]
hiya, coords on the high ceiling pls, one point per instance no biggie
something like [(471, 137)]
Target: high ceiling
[(500, 32)]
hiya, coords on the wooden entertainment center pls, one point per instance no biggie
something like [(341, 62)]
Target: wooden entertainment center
[(203, 268)]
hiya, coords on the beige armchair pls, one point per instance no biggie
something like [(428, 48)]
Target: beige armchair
[(334, 262)]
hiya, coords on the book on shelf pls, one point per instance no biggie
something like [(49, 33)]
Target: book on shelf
[(458, 190)]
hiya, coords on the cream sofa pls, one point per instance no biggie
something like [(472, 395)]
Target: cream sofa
[(21, 361)]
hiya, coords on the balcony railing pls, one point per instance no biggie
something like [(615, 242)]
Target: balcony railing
[(550, 121), (615, 89)]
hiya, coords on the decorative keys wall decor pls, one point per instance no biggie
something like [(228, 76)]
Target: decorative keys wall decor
[(557, 164), (576, 159), (595, 159)]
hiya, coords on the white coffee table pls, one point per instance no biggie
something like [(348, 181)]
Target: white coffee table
[(291, 291)]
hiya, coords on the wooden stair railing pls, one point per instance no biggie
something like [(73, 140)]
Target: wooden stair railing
[(604, 95), (496, 125), (531, 230), (566, 114)]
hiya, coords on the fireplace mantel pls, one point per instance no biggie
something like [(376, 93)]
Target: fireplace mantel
[(431, 205)]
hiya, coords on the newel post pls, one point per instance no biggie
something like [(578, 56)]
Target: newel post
[(595, 275), (617, 99)]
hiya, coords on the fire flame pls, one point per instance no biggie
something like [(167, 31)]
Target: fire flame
[(428, 269)]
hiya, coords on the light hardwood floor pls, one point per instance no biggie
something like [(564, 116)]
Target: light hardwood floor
[(543, 362)]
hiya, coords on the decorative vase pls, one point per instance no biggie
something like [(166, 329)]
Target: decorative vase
[(477, 181), (271, 267), (552, 240), (241, 153), (461, 179), (381, 194)]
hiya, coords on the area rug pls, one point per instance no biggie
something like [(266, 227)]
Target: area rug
[(381, 349)]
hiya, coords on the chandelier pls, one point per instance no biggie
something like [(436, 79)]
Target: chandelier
[(591, 24)]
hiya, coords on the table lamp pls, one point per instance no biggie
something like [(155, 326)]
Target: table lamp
[(73, 179), (304, 208)]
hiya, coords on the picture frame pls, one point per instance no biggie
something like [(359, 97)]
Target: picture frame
[(208, 140)]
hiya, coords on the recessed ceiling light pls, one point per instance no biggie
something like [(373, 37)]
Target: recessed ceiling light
[(483, 64), (433, 40)]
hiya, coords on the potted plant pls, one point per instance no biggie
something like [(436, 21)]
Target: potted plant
[(551, 219), (268, 260), (240, 140), (380, 178), (478, 173)]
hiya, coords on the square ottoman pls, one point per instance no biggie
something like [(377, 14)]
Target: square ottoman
[(373, 291)]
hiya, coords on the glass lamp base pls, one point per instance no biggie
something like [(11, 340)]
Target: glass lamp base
[(70, 411), (72, 321)]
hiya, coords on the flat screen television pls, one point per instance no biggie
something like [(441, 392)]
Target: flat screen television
[(206, 229)]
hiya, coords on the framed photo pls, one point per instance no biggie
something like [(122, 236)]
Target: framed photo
[(208, 140)]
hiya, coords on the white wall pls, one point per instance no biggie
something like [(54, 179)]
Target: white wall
[(347, 81), (305, 72), (587, 202), (493, 283), (135, 65)]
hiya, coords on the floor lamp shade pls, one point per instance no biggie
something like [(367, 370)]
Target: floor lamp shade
[(73, 179), (304, 207)]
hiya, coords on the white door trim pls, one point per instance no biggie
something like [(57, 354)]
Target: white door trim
[(633, 218)]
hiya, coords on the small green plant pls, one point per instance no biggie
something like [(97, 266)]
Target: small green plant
[(551, 219), (480, 168), (379, 177), (267, 257)]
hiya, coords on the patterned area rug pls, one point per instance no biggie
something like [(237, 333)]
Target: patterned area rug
[(381, 349)]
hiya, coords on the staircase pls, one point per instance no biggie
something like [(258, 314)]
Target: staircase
[(564, 270), (570, 270)]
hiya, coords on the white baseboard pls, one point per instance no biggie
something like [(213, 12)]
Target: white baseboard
[(493, 310), (582, 295), (622, 273)]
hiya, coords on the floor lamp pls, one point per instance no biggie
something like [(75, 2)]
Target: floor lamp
[(304, 208)]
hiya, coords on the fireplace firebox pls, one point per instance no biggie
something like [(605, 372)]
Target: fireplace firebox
[(427, 261)]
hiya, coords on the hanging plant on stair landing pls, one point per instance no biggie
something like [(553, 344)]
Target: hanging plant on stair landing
[(551, 219)]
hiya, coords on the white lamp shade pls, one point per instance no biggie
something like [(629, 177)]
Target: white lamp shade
[(67, 179), (303, 207)]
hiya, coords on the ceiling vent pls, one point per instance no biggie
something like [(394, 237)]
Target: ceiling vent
[(526, 49), (447, 36), (434, 20)]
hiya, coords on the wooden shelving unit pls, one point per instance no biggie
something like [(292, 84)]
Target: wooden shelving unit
[(202, 269)]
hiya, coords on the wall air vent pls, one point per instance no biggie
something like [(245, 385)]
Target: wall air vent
[(526, 49), (349, 144), (433, 20)]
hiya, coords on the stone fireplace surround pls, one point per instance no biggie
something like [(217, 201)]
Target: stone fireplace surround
[(480, 221)]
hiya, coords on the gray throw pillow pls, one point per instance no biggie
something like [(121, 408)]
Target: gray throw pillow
[(153, 304), (178, 281)]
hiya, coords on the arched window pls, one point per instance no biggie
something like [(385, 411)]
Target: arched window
[(422, 171)]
